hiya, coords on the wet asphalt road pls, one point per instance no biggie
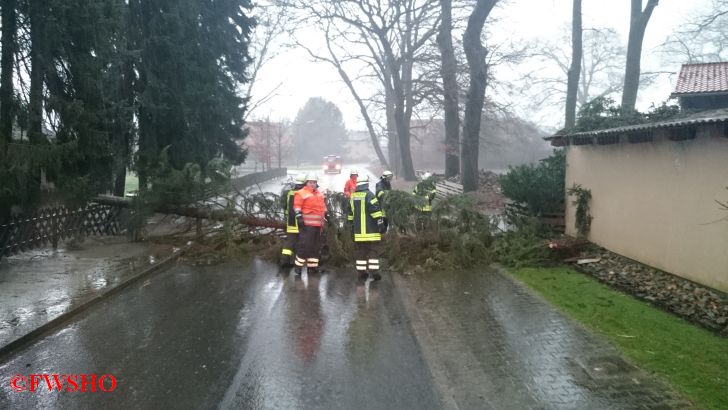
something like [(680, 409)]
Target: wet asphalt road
[(238, 335), (327, 182)]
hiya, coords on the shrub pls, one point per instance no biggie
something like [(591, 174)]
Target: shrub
[(525, 246), (603, 113), (540, 187), (583, 217)]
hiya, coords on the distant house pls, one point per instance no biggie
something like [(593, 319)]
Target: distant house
[(702, 86), (655, 186), (268, 143), (358, 148)]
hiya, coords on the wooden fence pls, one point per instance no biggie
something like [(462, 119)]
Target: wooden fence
[(446, 188), (48, 226), (553, 220)]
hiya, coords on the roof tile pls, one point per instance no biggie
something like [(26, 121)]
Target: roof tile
[(702, 78)]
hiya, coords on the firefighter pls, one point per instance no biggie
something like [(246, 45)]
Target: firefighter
[(309, 207), (425, 189), (382, 187), (367, 228), (289, 244), (350, 185), (384, 184)]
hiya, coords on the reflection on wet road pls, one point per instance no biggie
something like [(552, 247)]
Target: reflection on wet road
[(239, 335), (40, 285)]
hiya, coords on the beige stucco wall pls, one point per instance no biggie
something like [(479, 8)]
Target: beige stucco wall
[(655, 202)]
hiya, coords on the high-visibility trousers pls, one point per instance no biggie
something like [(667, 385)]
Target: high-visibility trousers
[(289, 245), (308, 246), (366, 255)]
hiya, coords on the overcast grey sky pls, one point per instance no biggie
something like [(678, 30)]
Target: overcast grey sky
[(518, 19)]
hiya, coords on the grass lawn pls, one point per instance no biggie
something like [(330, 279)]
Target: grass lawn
[(131, 183), (693, 360)]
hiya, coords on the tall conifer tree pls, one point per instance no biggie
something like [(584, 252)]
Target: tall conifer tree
[(193, 59)]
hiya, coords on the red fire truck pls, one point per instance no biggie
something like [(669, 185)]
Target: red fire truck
[(332, 164)]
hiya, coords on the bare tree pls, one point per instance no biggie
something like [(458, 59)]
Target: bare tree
[(281, 142), (703, 38), (387, 36), (637, 25), (269, 141), (575, 69), (601, 67), (450, 91), (476, 54), (338, 64), (601, 72), (273, 21)]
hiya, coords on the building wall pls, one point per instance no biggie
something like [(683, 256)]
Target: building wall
[(655, 203)]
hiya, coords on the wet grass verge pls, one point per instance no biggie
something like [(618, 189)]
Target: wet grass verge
[(693, 360)]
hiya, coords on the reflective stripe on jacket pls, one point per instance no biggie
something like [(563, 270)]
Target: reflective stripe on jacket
[(381, 188), (290, 214), (311, 204), (427, 192), (364, 213)]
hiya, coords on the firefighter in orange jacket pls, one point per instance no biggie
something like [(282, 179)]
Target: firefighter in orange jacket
[(350, 185), (309, 208), (368, 226), (289, 244)]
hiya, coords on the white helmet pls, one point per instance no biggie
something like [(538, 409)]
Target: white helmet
[(426, 175), (364, 179), (353, 172), (299, 179), (312, 177), (387, 174)]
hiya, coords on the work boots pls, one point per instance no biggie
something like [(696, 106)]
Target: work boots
[(363, 275), (298, 270), (376, 276)]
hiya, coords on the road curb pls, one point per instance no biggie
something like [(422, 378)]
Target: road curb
[(68, 316)]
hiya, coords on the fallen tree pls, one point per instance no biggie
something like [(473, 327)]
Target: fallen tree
[(198, 212)]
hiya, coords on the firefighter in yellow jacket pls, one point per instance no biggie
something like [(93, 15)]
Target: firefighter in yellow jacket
[(425, 189), (289, 244), (382, 188), (368, 226)]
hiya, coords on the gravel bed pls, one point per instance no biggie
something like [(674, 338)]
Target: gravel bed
[(693, 302)]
